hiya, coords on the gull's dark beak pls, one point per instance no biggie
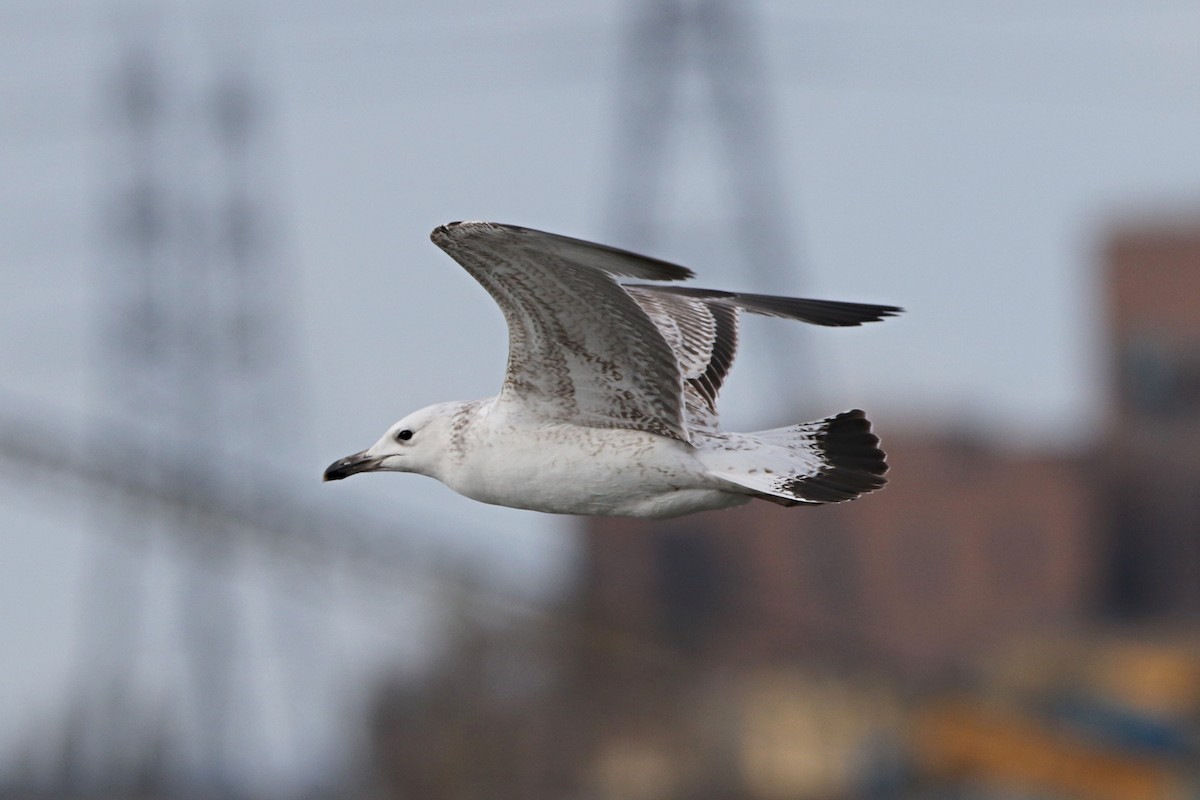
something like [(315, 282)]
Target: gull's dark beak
[(345, 467)]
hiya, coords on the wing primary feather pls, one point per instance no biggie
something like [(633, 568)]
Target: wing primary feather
[(831, 313), (577, 252)]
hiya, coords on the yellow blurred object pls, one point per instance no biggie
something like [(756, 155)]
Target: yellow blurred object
[(804, 734), (635, 770), (968, 740), (1155, 678)]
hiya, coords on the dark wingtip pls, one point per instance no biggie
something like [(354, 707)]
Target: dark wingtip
[(832, 313), (886, 311)]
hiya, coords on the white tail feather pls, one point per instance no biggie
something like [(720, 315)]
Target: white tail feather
[(826, 461)]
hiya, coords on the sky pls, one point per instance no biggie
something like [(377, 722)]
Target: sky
[(961, 159)]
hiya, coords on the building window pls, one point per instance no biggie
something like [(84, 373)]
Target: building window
[(829, 561), (926, 564), (1160, 381), (691, 583), (1019, 554)]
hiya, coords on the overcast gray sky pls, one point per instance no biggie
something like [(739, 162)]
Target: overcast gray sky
[(961, 159)]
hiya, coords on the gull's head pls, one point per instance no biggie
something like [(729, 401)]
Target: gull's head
[(414, 444)]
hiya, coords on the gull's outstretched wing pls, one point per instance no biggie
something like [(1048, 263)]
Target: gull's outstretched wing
[(580, 349), (701, 325)]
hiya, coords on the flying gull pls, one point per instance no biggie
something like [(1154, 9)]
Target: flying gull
[(609, 400)]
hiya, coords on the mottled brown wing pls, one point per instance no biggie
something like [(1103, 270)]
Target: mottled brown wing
[(704, 337), (701, 325), (580, 349)]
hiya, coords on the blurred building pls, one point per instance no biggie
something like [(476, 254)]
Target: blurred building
[(1150, 456), (967, 544), (1093, 714), (789, 638)]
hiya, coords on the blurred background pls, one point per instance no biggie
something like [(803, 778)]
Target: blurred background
[(218, 280)]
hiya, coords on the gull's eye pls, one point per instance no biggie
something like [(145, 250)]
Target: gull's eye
[(404, 435)]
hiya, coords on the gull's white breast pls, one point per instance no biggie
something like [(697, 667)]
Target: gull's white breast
[(561, 468)]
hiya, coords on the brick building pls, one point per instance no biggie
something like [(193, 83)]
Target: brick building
[(1151, 456), (965, 544)]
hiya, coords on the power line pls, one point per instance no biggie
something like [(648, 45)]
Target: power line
[(37, 455), (194, 355)]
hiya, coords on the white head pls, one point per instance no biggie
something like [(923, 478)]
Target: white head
[(418, 443)]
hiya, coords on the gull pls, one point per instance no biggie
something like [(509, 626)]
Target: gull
[(609, 400)]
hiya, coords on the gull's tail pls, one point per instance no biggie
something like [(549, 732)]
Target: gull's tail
[(828, 461)]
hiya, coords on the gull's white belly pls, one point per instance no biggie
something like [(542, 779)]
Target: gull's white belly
[(566, 469)]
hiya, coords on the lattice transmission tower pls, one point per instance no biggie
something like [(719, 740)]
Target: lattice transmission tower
[(671, 47), (194, 354)]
